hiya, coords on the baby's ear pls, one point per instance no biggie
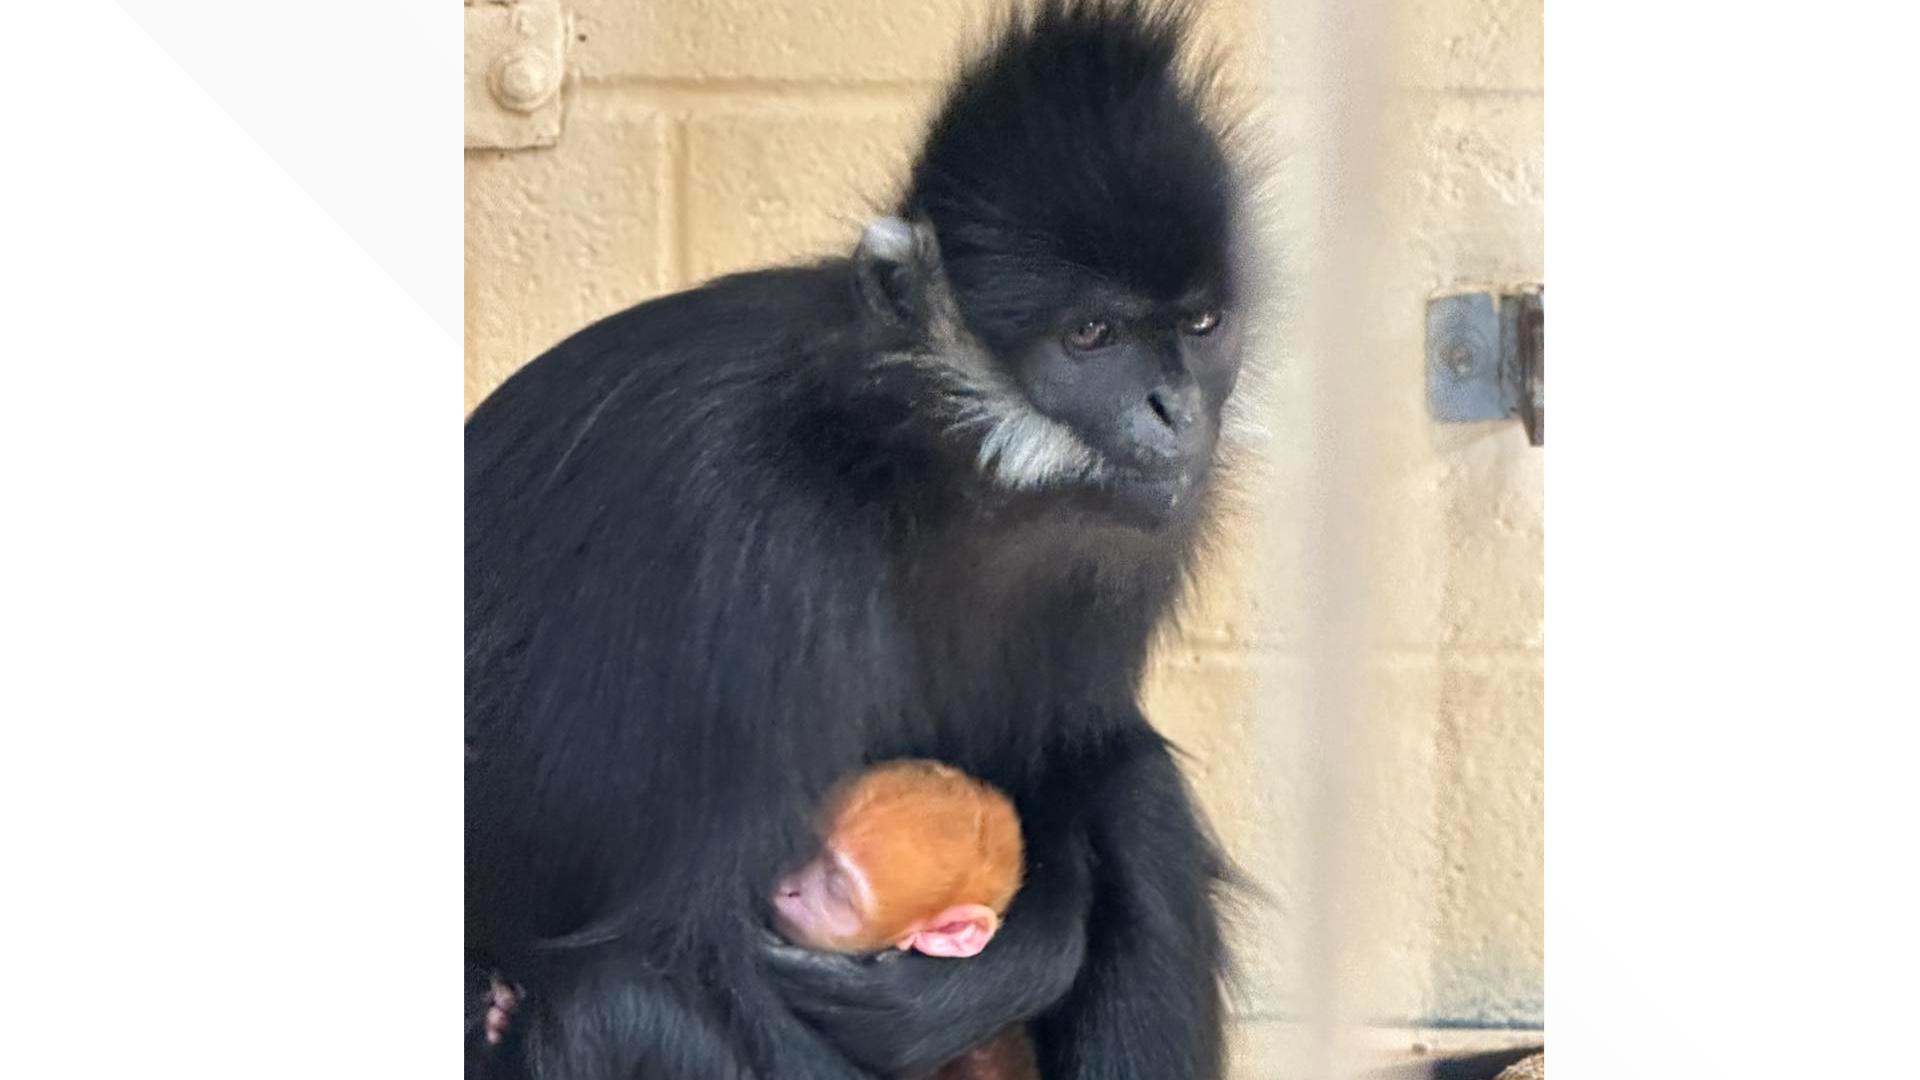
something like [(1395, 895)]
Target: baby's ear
[(961, 930)]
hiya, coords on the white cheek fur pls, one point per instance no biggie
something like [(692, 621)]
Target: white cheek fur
[(1024, 448), (1020, 447)]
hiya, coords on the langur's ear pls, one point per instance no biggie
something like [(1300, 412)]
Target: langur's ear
[(893, 268), (961, 930)]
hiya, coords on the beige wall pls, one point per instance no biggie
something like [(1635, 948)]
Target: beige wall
[(701, 137)]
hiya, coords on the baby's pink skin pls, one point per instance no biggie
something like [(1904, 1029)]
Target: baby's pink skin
[(819, 906), (502, 1000)]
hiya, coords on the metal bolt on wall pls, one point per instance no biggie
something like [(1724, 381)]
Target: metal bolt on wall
[(516, 62), (1486, 358)]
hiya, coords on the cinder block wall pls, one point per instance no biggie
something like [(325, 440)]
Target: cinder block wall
[(703, 137)]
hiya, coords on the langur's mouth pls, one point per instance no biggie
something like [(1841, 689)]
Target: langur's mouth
[(1155, 497)]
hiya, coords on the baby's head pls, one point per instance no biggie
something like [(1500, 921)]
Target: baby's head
[(918, 855)]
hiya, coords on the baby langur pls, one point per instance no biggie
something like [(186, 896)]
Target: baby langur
[(917, 855), (920, 856)]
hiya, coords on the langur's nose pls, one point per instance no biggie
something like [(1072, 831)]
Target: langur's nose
[(1177, 408), (1163, 427)]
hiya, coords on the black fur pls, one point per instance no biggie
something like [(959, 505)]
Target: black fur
[(730, 545), (1073, 150)]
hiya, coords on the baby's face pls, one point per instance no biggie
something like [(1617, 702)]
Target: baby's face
[(824, 905)]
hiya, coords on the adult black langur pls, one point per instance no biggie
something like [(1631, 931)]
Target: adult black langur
[(727, 547)]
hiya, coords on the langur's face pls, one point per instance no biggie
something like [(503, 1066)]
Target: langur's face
[(1142, 386)]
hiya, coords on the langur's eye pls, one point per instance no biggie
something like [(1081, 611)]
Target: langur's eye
[(1091, 334), (1201, 323)]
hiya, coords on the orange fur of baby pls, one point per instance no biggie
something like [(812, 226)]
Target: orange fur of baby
[(928, 837)]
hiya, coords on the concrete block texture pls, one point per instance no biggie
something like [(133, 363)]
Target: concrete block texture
[(557, 238), (1446, 834), (706, 136), (781, 181), (843, 42)]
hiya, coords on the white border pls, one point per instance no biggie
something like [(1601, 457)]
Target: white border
[(1732, 596), (231, 516)]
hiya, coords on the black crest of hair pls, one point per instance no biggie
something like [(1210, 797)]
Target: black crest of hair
[(733, 544), (1078, 146)]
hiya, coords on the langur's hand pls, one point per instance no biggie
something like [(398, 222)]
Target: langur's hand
[(877, 1010), (904, 1013)]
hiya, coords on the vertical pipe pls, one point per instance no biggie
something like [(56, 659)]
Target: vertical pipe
[(1338, 290)]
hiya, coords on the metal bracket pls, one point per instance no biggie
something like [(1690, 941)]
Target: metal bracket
[(516, 61), (1486, 358)]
